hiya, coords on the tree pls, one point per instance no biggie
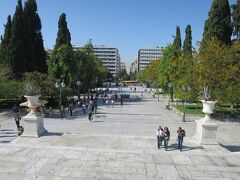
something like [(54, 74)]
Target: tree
[(35, 54), (218, 24), (5, 43), (63, 35), (177, 39), (18, 44), (187, 44), (236, 18), (62, 63), (215, 67)]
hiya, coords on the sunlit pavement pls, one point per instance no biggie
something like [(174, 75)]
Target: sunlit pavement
[(120, 143)]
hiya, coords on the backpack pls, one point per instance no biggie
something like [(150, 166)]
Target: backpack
[(183, 133)]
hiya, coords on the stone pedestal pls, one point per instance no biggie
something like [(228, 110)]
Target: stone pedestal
[(33, 125), (206, 132)]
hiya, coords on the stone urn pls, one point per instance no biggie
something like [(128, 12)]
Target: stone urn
[(32, 103), (206, 129), (208, 107), (33, 121)]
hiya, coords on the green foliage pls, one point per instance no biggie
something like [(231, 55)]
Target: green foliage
[(43, 82), (18, 44), (187, 44), (62, 64), (216, 66), (30, 89), (90, 68), (206, 94), (218, 25), (165, 66), (35, 54), (150, 74), (236, 18), (63, 35), (10, 89), (5, 48), (177, 39)]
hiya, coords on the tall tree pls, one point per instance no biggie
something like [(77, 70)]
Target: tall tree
[(177, 39), (5, 43), (63, 35), (18, 43), (187, 44), (236, 18), (218, 24), (35, 54)]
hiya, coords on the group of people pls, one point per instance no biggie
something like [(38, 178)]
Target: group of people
[(163, 135)]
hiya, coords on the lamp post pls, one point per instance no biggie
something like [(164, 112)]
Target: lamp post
[(185, 89), (60, 85), (169, 86), (78, 84)]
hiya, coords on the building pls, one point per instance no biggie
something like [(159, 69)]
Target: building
[(110, 58), (134, 65), (145, 56)]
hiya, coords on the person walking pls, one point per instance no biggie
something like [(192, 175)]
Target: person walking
[(181, 135), (159, 133), (166, 134), (15, 111)]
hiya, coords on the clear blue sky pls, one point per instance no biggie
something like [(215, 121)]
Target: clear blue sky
[(125, 24)]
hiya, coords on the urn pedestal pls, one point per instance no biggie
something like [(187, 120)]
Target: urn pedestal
[(206, 129), (33, 122)]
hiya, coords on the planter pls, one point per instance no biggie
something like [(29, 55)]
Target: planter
[(208, 107), (206, 130), (32, 101), (34, 121)]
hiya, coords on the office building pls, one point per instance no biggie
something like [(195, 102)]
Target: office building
[(146, 55), (110, 58)]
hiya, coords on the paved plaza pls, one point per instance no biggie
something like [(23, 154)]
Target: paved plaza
[(120, 143)]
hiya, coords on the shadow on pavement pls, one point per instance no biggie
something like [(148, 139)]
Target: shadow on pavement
[(133, 114), (231, 148), (174, 147), (53, 134)]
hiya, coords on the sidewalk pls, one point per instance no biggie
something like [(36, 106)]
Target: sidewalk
[(120, 143)]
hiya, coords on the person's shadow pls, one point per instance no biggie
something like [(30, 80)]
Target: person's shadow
[(173, 147)]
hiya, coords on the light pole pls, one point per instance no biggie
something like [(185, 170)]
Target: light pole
[(169, 86), (60, 85), (185, 89), (78, 84)]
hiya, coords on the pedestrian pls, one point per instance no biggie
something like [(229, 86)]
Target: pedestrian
[(159, 133), (15, 111), (83, 108), (166, 134), (90, 112), (112, 103), (50, 111), (181, 135), (121, 101)]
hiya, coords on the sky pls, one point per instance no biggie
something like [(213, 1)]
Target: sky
[(125, 24)]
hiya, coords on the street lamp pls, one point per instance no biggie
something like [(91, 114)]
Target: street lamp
[(185, 89), (60, 85), (78, 84), (169, 86)]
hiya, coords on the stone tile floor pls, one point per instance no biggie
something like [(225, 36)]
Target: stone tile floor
[(120, 143)]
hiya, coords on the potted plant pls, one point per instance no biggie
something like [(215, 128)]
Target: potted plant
[(31, 93), (208, 102)]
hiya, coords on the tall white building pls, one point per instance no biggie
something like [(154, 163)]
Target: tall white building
[(134, 66), (110, 58), (146, 55), (123, 66)]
